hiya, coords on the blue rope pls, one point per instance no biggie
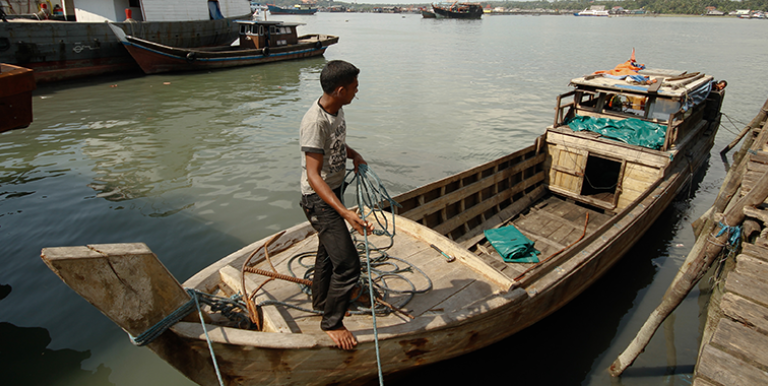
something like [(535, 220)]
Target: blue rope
[(174, 317), (734, 238), (160, 327), (371, 194), (193, 293)]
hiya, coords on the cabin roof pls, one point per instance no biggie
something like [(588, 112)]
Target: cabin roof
[(669, 83)]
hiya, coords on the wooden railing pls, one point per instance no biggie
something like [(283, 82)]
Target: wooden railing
[(457, 204)]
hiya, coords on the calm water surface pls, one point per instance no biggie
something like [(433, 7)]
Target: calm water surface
[(198, 165)]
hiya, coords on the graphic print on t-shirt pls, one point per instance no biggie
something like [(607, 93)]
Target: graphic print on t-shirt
[(338, 156)]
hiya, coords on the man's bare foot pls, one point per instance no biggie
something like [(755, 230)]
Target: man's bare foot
[(343, 338)]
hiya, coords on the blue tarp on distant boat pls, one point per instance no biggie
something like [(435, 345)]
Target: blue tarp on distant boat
[(512, 245), (631, 130)]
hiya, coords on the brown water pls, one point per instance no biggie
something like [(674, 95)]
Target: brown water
[(198, 165)]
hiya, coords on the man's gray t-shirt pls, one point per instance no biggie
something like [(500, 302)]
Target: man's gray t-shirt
[(325, 134)]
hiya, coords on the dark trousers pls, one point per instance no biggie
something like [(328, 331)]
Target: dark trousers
[(337, 265)]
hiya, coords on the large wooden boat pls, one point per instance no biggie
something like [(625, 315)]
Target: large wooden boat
[(81, 44), (260, 42), (458, 10), (583, 199)]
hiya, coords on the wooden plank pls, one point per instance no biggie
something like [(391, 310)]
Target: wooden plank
[(747, 287), (752, 267), (476, 210), (745, 311), (458, 176), (702, 382), (475, 235), (462, 255), (273, 320), (755, 251), (757, 167), (760, 214), (641, 172), (455, 196), (725, 369), (471, 293), (741, 342), (652, 158)]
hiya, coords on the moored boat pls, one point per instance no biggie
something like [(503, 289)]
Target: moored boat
[(16, 86), (298, 9), (260, 42), (58, 50), (581, 197), (595, 10), (458, 10)]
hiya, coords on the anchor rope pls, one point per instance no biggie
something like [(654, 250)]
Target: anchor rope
[(226, 306)]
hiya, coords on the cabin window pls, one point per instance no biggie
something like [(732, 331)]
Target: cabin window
[(628, 104), (261, 30), (243, 29), (662, 108), (601, 177)]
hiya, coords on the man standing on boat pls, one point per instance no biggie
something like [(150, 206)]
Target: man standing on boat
[(323, 144)]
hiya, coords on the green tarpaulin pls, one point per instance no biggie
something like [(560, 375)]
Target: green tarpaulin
[(512, 245), (631, 130)]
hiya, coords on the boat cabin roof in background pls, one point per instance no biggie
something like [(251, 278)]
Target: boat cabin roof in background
[(669, 83)]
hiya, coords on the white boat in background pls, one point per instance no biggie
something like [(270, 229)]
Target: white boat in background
[(80, 43), (595, 10)]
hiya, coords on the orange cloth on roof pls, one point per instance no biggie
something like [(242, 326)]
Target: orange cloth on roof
[(626, 68)]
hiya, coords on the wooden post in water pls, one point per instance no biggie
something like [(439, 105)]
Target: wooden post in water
[(129, 285)]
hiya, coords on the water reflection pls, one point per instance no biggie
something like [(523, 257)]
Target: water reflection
[(26, 360)]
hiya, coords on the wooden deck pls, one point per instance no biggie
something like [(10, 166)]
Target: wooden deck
[(552, 224), (453, 285)]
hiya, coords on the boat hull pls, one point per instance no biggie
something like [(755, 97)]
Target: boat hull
[(66, 50), (474, 12), (16, 86), (155, 58), (290, 11)]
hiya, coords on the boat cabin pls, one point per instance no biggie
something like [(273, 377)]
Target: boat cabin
[(592, 158), (259, 34)]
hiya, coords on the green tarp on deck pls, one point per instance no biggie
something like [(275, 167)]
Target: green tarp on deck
[(512, 245), (631, 130)]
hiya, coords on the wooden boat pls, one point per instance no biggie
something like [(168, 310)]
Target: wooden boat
[(80, 44), (428, 14), (458, 10), (16, 86), (298, 9), (582, 198), (260, 42)]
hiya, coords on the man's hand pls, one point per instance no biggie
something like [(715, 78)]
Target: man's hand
[(357, 223), (356, 158)]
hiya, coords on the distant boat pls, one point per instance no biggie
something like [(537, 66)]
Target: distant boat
[(458, 10), (260, 42), (80, 44), (298, 9), (594, 11)]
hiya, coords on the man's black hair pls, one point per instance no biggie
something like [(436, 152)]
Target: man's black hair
[(337, 73)]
